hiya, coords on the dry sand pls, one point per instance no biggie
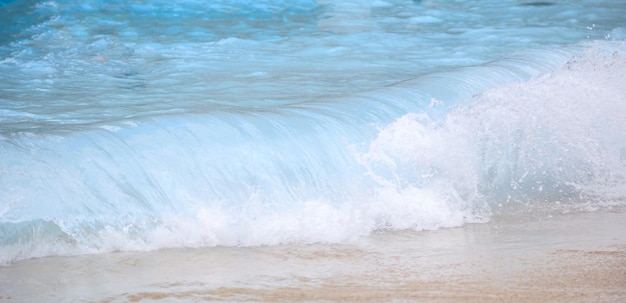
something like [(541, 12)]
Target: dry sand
[(566, 258)]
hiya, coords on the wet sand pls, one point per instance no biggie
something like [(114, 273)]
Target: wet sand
[(565, 258)]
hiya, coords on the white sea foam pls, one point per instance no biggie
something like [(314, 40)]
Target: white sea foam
[(557, 137)]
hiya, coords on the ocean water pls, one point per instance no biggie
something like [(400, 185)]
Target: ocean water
[(140, 125)]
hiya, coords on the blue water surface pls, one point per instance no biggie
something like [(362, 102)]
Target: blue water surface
[(133, 125)]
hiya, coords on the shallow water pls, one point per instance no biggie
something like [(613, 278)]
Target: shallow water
[(566, 258)]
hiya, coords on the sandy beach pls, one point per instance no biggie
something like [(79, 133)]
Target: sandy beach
[(565, 258)]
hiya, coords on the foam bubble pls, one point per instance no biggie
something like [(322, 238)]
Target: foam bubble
[(554, 139)]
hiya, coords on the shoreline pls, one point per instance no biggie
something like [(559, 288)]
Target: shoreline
[(566, 258)]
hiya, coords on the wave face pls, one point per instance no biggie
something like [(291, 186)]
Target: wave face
[(153, 125)]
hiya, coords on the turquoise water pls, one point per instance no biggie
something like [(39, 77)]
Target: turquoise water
[(150, 124)]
